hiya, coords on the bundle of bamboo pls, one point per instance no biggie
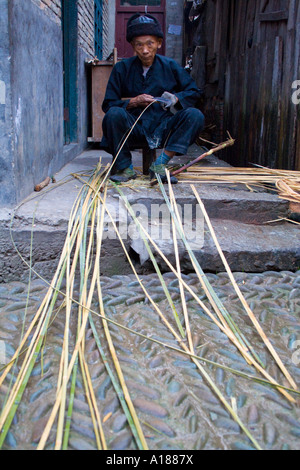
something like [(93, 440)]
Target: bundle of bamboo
[(286, 182)]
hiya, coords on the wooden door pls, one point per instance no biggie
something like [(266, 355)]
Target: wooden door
[(124, 10)]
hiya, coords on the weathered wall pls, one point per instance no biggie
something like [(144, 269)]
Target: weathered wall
[(7, 181), (109, 26), (37, 93), (52, 8), (86, 26), (32, 92)]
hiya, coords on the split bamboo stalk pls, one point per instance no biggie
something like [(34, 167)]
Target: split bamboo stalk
[(222, 146), (166, 345), (214, 300), (205, 309), (241, 297), (197, 363), (286, 191), (61, 393), (223, 328), (109, 340), (36, 343), (86, 310), (181, 289), (185, 353)]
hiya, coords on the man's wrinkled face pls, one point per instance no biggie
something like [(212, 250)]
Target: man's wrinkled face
[(146, 48)]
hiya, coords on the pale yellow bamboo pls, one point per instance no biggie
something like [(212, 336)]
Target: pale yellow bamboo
[(55, 408), (177, 337), (241, 297), (69, 284), (41, 314), (88, 390), (225, 329), (63, 377), (72, 361), (109, 340), (65, 354), (182, 296)]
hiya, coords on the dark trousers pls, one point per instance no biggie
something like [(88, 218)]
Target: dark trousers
[(181, 131)]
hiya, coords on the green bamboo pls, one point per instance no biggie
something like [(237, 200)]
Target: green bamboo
[(116, 386), (206, 375), (75, 368), (225, 329), (203, 279), (156, 267)]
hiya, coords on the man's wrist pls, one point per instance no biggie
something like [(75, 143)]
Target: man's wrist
[(132, 103)]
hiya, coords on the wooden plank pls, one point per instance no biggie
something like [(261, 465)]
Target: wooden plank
[(297, 156), (100, 75), (292, 14), (281, 15), (199, 66)]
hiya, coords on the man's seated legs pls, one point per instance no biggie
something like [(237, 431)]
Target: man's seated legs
[(182, 131), (116, 124)]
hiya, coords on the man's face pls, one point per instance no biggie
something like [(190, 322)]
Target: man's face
[(146, 48)]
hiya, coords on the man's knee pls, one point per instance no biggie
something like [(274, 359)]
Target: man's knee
[(116, 119), (115, 114), (195, 117)]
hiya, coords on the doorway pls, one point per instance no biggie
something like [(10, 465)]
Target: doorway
[(124, 10)]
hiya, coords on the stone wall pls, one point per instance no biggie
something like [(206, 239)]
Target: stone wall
[(6, 139), (86, 26), (52, 8)]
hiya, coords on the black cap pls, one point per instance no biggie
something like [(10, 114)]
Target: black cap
[(143, 25)]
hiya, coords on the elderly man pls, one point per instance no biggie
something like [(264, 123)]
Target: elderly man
[(172, 123)]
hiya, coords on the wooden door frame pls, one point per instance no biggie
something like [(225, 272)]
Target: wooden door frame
[(140, 8)]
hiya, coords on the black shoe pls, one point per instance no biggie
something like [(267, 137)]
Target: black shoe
[(123, 176)]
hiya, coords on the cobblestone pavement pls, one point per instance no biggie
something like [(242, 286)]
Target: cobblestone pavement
[(176, 407)]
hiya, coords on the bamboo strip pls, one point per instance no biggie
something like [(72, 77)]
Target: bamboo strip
[(108, 336), (227, 331), (205, 375), (241, 297), (183, 301)]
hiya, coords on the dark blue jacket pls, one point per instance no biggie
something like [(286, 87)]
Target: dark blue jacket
[(127, 81)]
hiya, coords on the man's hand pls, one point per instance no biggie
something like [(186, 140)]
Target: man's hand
[(171, 102), (140, 101)]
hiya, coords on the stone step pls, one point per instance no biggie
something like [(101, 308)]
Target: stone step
[(247, 247), (241, 218), (221, 202)]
